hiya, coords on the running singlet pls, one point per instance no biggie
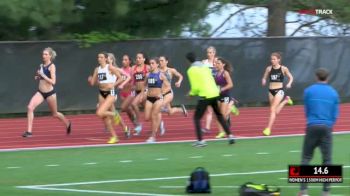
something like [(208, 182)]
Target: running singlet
[(276, 75), (167, 75), (211, 66), (140, 76), (45, 70), (154, 81), (221, 82), (104, 76), (127, 71)]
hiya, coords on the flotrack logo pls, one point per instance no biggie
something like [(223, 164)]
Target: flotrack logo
[(317, 11)]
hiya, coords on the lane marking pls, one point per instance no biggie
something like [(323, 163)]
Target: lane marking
[(13, 167), (294, 151), (52, 165), (161, 159), (50, 186), (228, 155), (98, 191), (92, 163), (125, 161), (230, 187), (262, 153), (196, 157), (157, 143)]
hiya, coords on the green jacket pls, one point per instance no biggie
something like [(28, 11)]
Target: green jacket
[(201, 81)]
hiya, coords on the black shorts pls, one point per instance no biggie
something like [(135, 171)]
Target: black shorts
[(137, 92), (105, 94), (225, 99), (169, 92), (153, 99), (47, 94), (276, 91)]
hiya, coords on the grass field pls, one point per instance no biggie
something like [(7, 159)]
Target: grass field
[(162, 169)]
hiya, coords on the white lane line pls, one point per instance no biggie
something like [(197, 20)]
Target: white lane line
[(96, 191), (165, 142), (262, 153), (230, 187), (196, 157), (153, 179), (294, 151), (52, 165), (156, 179), (91, 163), (228, 155), (161, 159), (125, 161), (13, 167)]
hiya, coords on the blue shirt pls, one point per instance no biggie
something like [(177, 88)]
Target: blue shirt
[(321, 104)]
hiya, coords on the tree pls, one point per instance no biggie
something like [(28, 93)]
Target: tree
[(62, 19), (335, 24)]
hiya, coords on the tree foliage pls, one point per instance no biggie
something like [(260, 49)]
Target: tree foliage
[(58, 19), (335, 24)]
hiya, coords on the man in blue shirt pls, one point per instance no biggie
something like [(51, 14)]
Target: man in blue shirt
[(321, 102)]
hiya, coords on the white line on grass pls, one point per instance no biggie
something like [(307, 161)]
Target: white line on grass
[(50, 186), (262, 153), (291, 186), (92, 163), (98, 191), (157, 179), (53, 165), (196, 157), (228, 155), (154, 179), (125, 161), (165, 142), (161, 159), (294, 151), (14, 167)]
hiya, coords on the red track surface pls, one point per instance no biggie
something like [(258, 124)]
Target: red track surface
[(89, 130)]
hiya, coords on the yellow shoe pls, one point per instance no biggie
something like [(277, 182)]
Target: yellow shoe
[(290, 101), (234, 110), (116, 118), (221, 134), (267, 132), (113, 140)]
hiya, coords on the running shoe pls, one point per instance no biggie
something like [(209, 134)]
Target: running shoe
[(151, 140), (138, 129), (221, 134), (116, 117), (184, 110), (267, 132), (162, 128), (199, 144), (27, 134), (231, 140), (69, 128), (113, 140), (127, 132), (205, 130), (234, 110), (289, 100)]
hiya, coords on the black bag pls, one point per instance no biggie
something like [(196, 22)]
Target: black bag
[(199, 181), (251, 189)]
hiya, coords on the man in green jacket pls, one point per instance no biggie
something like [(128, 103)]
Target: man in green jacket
[(203, 85)]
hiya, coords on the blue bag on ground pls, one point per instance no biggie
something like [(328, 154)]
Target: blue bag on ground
[(199, 181)]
